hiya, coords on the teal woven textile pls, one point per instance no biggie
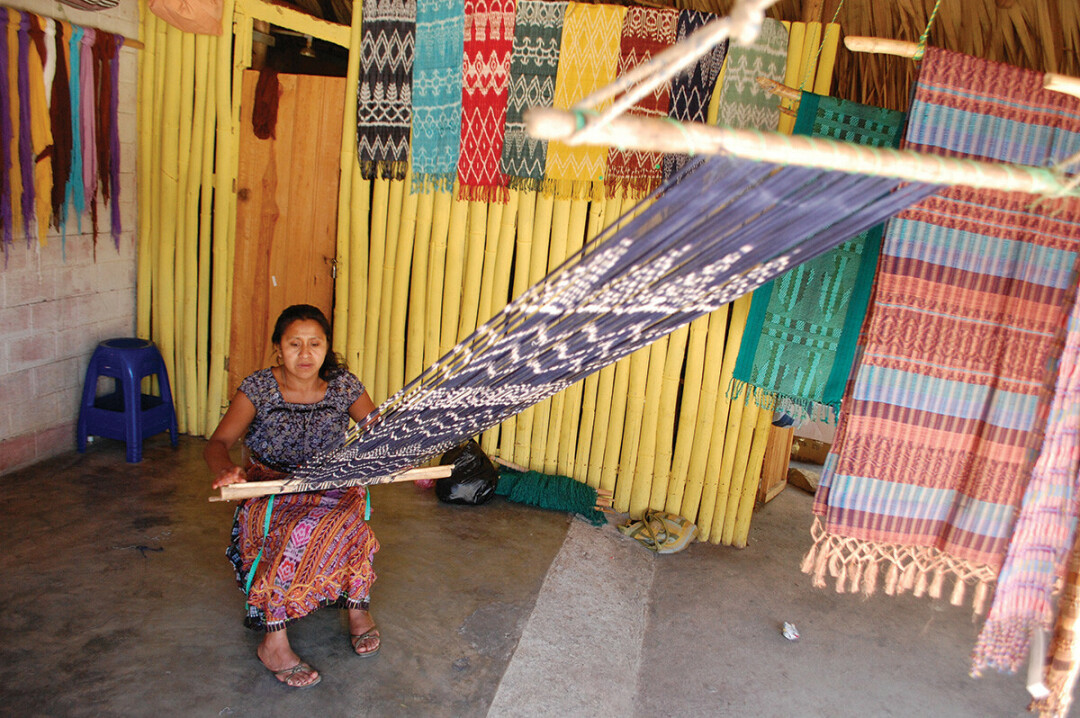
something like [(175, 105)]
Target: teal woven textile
[(800, 336), (437, 71)]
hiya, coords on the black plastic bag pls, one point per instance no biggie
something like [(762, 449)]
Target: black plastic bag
[(474, 478)]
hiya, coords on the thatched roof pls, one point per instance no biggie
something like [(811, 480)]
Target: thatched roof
[(1035, 34)]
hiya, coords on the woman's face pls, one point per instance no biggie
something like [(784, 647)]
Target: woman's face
[(303, 348)]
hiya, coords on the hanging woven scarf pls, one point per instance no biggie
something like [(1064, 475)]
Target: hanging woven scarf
[(114, 141), (7, 221), (533, 65), (436, 130), (1039, 548), (743, 104), (802, 328), (588, 59), (26, 142), (489, 39), (939, 432), (645, 33), (40, 131), (726, 228), (88, 125), (14, 153), (75, 192), (104, 52), (384, 91), (1061, 665), (60, 119), (691, 90)]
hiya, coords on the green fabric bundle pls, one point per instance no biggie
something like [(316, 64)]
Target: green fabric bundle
[(558, 493)]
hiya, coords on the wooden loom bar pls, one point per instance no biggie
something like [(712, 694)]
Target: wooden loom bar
[(901, 48), (251, 489), (659, 135)]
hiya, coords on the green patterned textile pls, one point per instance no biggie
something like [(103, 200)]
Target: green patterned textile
[(801, 332), (743, 103)]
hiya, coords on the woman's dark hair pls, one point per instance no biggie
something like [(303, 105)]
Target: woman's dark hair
[(333, 364)]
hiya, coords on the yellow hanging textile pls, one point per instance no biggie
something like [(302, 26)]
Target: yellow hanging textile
[(588, 59), (40, 129)]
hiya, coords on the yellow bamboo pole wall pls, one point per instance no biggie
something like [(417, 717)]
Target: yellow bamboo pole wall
[(416, 273)]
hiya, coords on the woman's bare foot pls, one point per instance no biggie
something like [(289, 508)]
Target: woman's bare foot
[(362, 633), (278, 656)]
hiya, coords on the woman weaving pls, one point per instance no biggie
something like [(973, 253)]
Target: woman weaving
[(314, 549)]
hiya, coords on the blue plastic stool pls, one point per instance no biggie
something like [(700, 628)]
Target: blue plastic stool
[(126, 414)]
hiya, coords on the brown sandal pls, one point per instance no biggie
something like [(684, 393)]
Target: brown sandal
[(284, 675), (358, 641)]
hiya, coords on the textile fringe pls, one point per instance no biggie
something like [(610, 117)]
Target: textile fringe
[(573, 189), (383, 169), (855, 565), (800, 409), (524, 184), (483, 193), (631, 187), (433, 183)]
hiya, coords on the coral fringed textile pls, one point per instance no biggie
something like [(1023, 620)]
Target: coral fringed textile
[(646, 32), (743, 104), (802, 328), (533, 66), (942, 425), (489, 39), (691, 91), (588, 59), (384, 92), (436, 88)]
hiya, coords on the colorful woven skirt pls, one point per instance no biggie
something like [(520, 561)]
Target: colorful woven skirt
[(317, 552)]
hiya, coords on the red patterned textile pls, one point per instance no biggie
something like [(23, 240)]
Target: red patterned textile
[(645, 32), (489, 40)]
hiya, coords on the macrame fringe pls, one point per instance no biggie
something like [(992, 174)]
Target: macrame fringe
[(383, 169), (483, 193), (855, 566)]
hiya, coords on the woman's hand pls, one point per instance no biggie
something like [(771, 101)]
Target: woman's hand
[(232, 475)]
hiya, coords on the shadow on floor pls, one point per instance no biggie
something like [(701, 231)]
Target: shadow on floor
[(118, 600)]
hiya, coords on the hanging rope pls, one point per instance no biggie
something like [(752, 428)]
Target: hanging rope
[(920, 49)]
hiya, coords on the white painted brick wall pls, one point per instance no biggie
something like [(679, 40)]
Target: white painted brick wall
[(58, 301)]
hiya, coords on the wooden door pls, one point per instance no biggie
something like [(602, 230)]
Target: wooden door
[(286, 214)]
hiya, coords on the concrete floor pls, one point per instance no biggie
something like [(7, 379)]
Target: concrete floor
[(118, 600)]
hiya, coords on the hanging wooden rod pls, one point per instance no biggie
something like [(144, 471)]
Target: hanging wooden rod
[(664, 135), (251, 489), (900, 48)]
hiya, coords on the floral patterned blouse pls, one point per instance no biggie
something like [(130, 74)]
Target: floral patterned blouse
[(283, 435)]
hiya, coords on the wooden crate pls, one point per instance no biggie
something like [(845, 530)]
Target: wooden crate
[(774, 467)]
